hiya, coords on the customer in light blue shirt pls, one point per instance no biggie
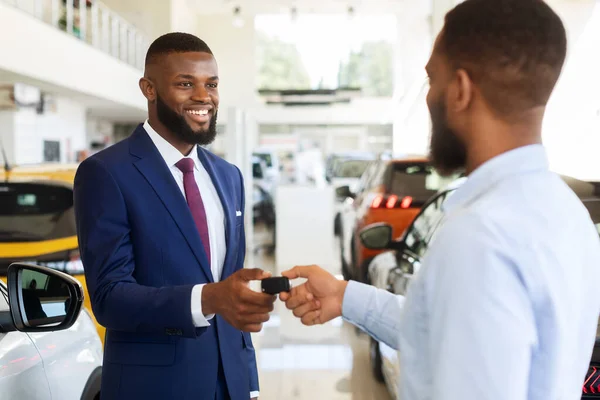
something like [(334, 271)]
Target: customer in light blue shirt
[(505, 305)]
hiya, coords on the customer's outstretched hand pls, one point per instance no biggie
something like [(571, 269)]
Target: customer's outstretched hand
[(319, 299)]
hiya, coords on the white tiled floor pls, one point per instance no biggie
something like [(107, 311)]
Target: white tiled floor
[(329, 362)]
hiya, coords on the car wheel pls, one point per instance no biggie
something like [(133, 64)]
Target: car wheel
[(343, 263), (376, 362)]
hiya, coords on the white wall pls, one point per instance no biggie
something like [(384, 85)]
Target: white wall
[(23, 131), (234, 51), (7, 123), (367, 111), (98, 130), (63, 60)]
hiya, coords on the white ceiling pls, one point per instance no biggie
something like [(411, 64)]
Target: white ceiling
[(251, 7)]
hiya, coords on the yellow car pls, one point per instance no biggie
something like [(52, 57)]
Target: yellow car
[(37, 221)]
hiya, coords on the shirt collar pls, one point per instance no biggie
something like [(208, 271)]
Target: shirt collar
[(169, 153), (510, 164)]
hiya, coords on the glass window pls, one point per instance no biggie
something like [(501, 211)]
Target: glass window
[(33, 212), (423, 228), (351, 168), (266, 158), (418, 180), (365, 178), (257, 172), (3, 302)]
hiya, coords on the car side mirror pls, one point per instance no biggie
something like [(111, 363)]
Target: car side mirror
[(377, 236), (344, 192), (42, 299)]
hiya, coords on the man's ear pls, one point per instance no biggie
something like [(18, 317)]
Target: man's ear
[(148, 89), (460, 91)]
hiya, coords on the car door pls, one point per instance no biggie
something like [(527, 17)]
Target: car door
[(415, 243), (349, 209), (22, 374)]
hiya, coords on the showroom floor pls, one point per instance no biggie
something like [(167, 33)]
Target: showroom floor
[(329, 362)]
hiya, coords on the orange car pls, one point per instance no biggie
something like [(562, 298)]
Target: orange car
[(390, 191)]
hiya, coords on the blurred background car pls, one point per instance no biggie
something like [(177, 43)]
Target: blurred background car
[(391, 191), (347, 171), (273, 167)]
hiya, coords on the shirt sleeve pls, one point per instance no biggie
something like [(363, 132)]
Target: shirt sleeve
[(200, 320), (254, 395), (481, 320), (376, 311)]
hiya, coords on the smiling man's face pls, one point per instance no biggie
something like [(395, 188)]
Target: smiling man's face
[(187, 96)]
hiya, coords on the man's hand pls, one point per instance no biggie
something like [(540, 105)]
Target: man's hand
[(319, 299), (233, 299)]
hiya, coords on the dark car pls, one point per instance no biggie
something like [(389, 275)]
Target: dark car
[(394, 270)]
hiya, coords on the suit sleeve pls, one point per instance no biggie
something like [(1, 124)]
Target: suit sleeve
[(118, 301), (252, 367)]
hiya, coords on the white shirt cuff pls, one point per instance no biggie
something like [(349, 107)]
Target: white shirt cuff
[(253, 395), (200, 320)]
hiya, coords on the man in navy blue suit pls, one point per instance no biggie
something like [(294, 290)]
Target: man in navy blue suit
[(161, 235)]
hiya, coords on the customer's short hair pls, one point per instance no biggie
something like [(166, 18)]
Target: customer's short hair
[(513, 50), (175, 42)]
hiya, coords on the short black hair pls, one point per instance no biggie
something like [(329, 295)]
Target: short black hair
[(513, 50), (175, 42)]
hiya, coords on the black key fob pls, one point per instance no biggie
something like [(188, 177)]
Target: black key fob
[(275, 285)]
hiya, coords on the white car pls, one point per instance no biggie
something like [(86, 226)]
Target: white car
[(49, 348), (271, 160)]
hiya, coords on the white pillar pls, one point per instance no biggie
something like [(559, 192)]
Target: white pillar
[(410, 128), (240, 137), (439, 8), (234, 49)]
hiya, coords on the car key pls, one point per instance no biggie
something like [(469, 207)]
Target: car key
[(275, 285)]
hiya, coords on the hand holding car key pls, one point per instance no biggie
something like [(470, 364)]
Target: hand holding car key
[(275, 285)]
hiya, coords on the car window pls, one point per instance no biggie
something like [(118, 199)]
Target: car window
[(35, 212), (351, 168), (266, 158), (422, 230), (418, 180), (371, 168), (257, 172), (377, 179), (3, 302)]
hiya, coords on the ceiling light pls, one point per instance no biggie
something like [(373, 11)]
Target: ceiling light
[(238, 21), (294, 14)]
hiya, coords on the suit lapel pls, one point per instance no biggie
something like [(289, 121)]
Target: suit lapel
[(152, 166), (226, 202)]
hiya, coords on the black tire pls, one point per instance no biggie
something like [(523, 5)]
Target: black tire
[(376, 362), (343, 263), (337, 225), (92, 387)]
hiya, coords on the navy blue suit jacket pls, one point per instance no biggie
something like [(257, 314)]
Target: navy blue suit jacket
[(142, 256)]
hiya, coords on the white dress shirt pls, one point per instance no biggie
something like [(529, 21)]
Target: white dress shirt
[(505, 304), (214, 214)]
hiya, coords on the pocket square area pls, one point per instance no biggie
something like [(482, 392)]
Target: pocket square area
[(238, 213)]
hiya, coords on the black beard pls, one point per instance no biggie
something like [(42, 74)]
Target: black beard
[(447, 152), (178, 125)]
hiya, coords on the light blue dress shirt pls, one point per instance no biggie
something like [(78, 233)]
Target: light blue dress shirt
[(505, 305)]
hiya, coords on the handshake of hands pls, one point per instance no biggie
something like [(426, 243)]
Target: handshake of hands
[(316, 301)]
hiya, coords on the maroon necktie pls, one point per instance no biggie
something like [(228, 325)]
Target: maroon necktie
[(194, 200)]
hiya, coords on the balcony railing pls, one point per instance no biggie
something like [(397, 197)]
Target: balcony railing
[(92, 22)]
